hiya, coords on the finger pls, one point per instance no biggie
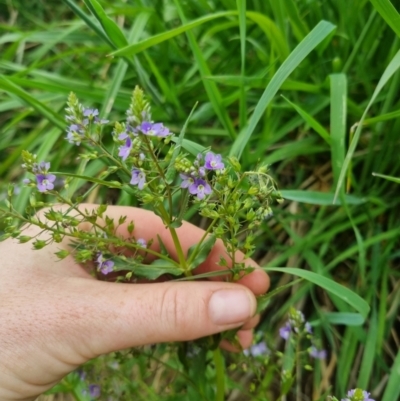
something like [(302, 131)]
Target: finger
[(245, 338), (148, 225), (126, 316)]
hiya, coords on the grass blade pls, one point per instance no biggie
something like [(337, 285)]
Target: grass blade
[(387, 177), (312, 122), (313, 39), (41, 108), (135, 48), (348, 296), (389, 71), (112, 30), (388, 12), (392, 391), (318, 198), (338, 122)]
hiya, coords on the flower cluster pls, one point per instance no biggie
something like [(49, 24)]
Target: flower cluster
[(256, 350), (299, 327), (80, 120), (194, 177), (356, 394), (44, 180), (104, 266)]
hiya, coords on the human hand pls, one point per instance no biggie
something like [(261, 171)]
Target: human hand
[(54, 315)]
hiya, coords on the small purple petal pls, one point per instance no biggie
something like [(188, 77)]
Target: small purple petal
[(94, 390), (200, 188), (213, 162), (138, 178), (142, 242), (257, 349), (125, 150), (187, 180), (316, 353), (285, 331)]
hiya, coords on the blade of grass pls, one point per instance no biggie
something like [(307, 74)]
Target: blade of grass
[(318, 198), (387, 177), (389, 13), (40, 107), (311, 121), (241, 5), (112, 30), (88, 21), (120, 71), (338, 122), (348, 296), (316, 36), (210, 87), (135, 48), (392, 391), (389, 71), (368, 360)]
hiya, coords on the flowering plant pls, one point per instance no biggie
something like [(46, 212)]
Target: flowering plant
[(165, 173)]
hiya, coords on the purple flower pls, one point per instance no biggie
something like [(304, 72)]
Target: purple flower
[(41, 168), (125, 149), (316, 353), (355, 394), (45, 182), (104, 266), (187, 180), (91, 113), (257, 349), (151, 129), (94, 390), (200, 188), (142, 242), (74, 134), (308, 328), (285, 331), (138, 178), (213, 162)]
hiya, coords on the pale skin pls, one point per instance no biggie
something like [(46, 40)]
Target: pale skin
[(54, 315)]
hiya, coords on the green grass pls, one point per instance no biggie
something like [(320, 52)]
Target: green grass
[(310, 87)]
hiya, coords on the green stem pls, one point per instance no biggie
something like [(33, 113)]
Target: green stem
[(219, 374)]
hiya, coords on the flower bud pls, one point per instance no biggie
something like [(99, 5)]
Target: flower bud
[(253, 191)]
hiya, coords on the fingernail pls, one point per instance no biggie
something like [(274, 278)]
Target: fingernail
[(231, 306)]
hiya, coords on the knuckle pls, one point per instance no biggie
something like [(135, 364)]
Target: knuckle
[(174, 308)]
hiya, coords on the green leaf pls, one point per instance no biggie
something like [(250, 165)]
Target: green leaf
[(112, 30), (192, 147), (338, 122), (392, 390), (110, 184), (40, 107), (345, 294), (312, 122), (263, 300), (310, 42), (389, 13), (135, 48), (198, 254), (157, 269), (389, 71), (152, 271), (318, 198), (345, 318), (387, 177)]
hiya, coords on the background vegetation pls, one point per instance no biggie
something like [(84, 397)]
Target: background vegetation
[(303, 125)]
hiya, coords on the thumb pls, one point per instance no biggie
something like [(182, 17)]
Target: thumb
[(129, 315)]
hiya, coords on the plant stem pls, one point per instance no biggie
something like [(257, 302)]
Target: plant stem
[(219, 374)]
